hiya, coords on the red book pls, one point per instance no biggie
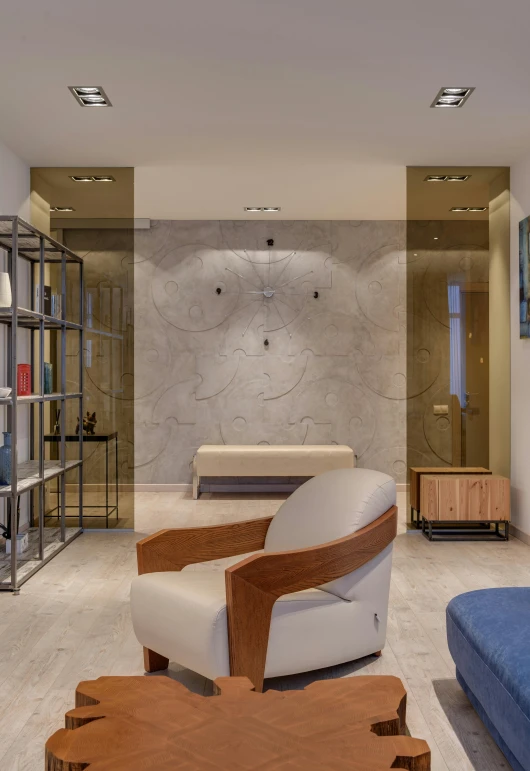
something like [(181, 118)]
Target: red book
[(24, 379)]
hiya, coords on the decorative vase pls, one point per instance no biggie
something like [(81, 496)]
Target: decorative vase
[(6, 298), (5, 460)]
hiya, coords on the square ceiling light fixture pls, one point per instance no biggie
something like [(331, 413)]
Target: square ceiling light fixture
[(90, 96), (62, 208), (453, 96), (76, 178)]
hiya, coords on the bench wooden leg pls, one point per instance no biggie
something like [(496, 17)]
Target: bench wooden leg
[(154, 662), (378, 653)]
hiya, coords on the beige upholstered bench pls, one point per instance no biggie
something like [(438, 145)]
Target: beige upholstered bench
[(242, 460)]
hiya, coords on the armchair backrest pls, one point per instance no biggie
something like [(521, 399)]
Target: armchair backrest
[(330, 506)]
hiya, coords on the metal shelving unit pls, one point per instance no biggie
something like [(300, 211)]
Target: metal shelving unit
[(22, 242)]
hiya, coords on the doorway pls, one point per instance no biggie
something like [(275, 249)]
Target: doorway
[(457, 318), (469, 341)]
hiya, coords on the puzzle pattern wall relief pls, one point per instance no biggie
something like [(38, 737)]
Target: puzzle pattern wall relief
[(243, 341)]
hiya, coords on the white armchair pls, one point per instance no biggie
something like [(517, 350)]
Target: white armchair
[(312, 593)]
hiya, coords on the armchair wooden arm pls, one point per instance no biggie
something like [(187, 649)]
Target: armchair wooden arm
[(174, 549), (254, 585)]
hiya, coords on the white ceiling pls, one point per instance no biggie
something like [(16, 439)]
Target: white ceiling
[(279, 86)]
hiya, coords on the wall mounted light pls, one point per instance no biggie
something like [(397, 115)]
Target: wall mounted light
[(90, 96), (452, 96)]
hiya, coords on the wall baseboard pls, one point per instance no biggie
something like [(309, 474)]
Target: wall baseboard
[(176, 488), (182, 487), (520, 534)]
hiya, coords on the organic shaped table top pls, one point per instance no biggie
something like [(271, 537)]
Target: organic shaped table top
[(156, 724)]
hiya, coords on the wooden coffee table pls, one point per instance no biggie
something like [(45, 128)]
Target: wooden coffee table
[(141, 723)]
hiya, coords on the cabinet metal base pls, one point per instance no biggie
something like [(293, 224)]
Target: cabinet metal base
[(456, 530)]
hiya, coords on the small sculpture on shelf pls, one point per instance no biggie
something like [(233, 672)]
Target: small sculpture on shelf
[(89, 424)]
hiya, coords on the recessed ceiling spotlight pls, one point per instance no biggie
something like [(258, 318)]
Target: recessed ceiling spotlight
[(104, 178), (62, 208), (459, 208), (447, 178), (262, 208), (454, 96), (478, 208), (80, 179), (90, 96), (436, 238), (435, 178)]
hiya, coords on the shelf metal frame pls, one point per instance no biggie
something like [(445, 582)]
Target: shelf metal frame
[(22, 241)]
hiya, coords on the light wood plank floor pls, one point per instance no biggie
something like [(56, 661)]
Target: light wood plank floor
[(71, 622)]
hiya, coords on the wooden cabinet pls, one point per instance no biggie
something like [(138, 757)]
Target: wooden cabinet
[(464, 498), (416, 474)]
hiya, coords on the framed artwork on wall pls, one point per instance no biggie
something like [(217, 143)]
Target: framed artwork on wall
[(524, 284)]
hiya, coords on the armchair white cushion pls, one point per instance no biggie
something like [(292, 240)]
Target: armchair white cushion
[(182, 616)]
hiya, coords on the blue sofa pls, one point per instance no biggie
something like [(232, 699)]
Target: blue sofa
[(489, 638)]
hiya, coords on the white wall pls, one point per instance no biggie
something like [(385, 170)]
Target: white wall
[(14, 199), (14, 184), (345, 191), (520, 369)]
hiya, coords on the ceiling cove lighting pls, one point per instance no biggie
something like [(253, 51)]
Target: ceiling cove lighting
[(62, 208), (262, 208), (454, 96), (447, 178), (90, 96)]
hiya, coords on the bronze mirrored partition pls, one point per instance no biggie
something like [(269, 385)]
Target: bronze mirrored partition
[(101, 230), (458, 337)]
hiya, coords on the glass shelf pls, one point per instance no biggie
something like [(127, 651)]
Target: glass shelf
[(31, 319), (37, 398), (28, 475)]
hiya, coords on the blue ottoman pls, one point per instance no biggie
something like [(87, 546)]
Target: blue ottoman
[(489, 638)]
